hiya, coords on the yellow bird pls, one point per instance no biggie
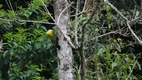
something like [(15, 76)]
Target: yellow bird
[(51, 34)]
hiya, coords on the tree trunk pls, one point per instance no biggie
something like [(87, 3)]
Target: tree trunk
[(64, 50)]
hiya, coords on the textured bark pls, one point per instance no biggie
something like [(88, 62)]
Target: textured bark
[(64, 50), (88, 5)]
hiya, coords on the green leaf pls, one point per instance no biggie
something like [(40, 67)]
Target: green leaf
[(139, 66), (1, 6), (118, 75), (101, 51), (37, 45), (109, 16), (44, 28), (5, 53), (114, 64), (49, 45)]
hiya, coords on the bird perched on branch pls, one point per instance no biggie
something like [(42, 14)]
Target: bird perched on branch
[(53, 37)]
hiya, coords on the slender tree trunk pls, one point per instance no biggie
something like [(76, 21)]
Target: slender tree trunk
[(88, 4), (64, 50)]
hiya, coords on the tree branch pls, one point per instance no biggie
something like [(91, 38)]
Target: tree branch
[(22, 21), (76, 23), (128, 24), (112, 32), (127, 21)]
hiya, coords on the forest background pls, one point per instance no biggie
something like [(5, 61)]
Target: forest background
[(103, 39)]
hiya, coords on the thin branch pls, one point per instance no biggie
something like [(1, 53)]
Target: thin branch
[(128, 24), (112, 32), (46, 9), (76, 23), (76, 30), (132, 69), (135, 19), (8, 4), (63, 12), (113, 7), (22, 21), (85, 4)]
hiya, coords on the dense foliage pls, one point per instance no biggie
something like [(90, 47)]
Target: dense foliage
[(29, 54)]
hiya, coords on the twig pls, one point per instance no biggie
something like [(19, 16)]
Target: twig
[(112, 32), (132, 69), (135, 19), (76, 23), (45, 7), (113, 7), (20, 20), (128, 24), (8, 4), (85, 4), (63, 12)]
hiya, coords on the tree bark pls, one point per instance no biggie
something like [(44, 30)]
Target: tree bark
[(64, 50), (88, 4)]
